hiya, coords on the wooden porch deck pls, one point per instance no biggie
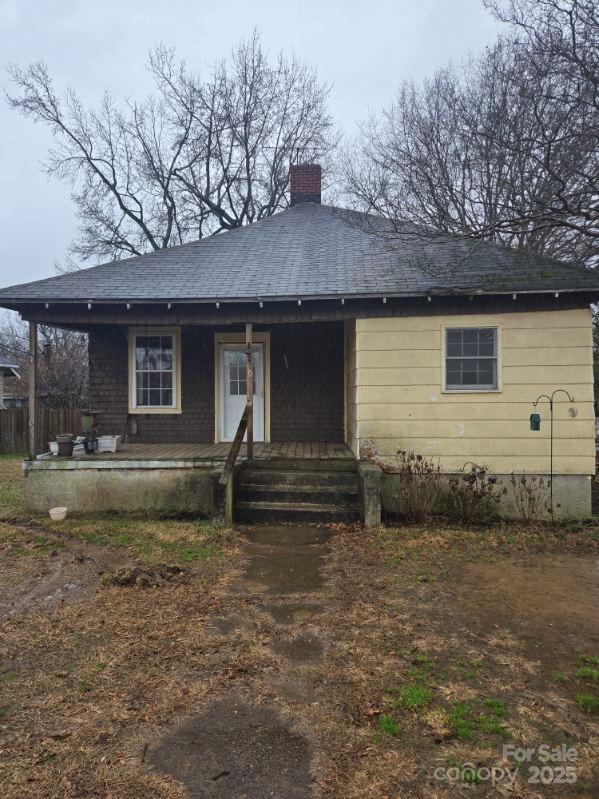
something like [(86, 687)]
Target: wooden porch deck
[(298, 450)]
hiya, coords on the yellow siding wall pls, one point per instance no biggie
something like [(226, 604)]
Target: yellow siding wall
[(395, 374), (351, 417)]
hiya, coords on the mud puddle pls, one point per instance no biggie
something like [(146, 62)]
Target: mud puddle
[(44, 580), (293, 612), (545, 601), (303, 648), (283, 560), (235, 749)]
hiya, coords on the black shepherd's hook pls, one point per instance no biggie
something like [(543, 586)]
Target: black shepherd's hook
[(550, 400)]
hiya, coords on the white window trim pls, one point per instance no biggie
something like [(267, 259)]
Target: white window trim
[(175, 332), (444, 389)]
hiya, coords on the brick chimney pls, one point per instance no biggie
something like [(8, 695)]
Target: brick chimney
[(305, 183)]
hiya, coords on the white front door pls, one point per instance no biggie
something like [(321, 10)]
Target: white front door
[(233, 389)]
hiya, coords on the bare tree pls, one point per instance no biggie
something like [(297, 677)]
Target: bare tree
[(502, 148), (62, 361), (199, 156)]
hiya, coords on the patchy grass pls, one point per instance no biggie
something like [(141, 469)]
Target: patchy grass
[(474, 655), (12, 487), (589, 703), (388, 725), (414, 697)]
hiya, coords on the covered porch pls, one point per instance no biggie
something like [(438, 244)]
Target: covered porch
[(205, 454)]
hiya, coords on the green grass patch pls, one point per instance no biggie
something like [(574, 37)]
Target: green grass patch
[(588, 660), (588, 673), (148, 539), (414, 697), (465, 721), (12, 487), (497, 707), (388, 725), (588, 703)]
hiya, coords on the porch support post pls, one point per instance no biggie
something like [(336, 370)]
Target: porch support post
[(32, 388), (250, 392)]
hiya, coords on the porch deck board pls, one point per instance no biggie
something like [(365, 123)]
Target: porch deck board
[(302, 450)]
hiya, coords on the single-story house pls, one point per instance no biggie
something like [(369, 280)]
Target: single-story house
[(362, 336)]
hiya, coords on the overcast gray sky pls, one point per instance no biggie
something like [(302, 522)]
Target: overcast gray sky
[(364, 48)]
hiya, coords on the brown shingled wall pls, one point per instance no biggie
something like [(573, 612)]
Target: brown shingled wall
[(306, 385)]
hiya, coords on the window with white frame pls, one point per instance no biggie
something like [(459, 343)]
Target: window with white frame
[(154, 363), (471, 359)]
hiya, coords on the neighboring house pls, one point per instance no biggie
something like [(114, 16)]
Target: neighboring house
[(8, 370), (362, 338)]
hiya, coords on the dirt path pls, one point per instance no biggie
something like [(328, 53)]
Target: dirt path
[(236, 748)]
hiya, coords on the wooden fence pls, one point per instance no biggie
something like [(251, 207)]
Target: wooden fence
[(14, 424)]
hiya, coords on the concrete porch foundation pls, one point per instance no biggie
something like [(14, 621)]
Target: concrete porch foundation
[(571, 496)]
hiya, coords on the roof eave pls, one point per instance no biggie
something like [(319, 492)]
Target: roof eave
[(466, 292)]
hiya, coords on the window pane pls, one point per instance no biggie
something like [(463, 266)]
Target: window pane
[(141, 397), (141, 353), (166, 356), (454, 348), (167, 380), (154, 397), (486, 341), (471, 372), (154, 379), (470, 342), (242, 387), (167, 397)]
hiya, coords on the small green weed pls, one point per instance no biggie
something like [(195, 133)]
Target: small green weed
[(464, 722), (497, 707), (588, 660), (414, 696), (388, 725), (588, 703), (588, 673)]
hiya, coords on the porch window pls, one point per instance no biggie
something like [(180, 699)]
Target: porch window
[(471, 359), (154, 371)]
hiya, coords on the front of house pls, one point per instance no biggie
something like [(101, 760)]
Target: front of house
[(361, 339)]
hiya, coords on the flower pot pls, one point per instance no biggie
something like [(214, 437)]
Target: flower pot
[(65, 445), (58, 514)]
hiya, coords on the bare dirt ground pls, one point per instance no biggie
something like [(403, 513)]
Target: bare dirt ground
[(396, 658)]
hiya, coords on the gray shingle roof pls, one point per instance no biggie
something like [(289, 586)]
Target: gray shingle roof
[(310, 250)]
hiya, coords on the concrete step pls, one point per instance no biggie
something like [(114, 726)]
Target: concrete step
[(341, 478), (257, 512), (286, 492)]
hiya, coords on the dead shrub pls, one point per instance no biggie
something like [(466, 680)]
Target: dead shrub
[(474, 493), (419, 485), (531, 495)]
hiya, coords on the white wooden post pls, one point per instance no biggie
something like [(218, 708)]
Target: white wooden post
[(250, 391)]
